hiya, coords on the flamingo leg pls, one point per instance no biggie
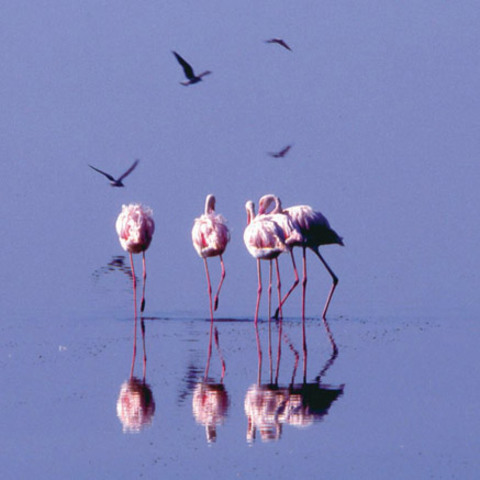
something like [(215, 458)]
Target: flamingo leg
[(279, 285), (209, 288), (222, 278), (294, 285), (259, 290), (259, 293), (304, 282), (142, 325), (222, 360), (142, 305), (334, 282), (269, 318), (209, 353), (134, 346)]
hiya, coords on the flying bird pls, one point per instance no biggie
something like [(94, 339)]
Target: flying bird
[(314, 231), (135, 227), (117, 182), (210, 236), (188, 70), (279, 41), (281, 153)]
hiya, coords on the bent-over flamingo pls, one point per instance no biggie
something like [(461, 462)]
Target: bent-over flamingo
[(315, 231), (135, 227), (265, 240), (210, 236)]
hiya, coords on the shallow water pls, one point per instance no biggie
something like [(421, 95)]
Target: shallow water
[(399, 399)]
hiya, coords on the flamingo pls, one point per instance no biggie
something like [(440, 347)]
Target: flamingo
[(135, 227), (210, 236), (188, 71), (117, 182), (279, 41), (265, 240), (315, 230)]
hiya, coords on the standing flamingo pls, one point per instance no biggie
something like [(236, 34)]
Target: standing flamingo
[(135, 227), (210, 236), (264, 240), (315, 231)]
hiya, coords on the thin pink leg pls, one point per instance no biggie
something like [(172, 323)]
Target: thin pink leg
[(259, 290), (304, 282), (142, 305), (209, 288), (259, 351), (259, 293), (279, 290), (270, 358), (142, 325), (292, 288), (134, 355), (304, 294), (334, 282), (209, 352), (222, 360), (135, 316), (222, 278)]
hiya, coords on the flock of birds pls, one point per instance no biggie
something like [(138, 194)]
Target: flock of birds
[(270, 232)]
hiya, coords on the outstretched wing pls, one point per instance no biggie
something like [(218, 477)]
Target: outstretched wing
[(129, 171), (187, 68), (103, 173), (281, 153), (280, 42)]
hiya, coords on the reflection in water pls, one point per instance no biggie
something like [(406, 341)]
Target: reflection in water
[(210, 398), (269, 406), (117, 263), (210, 406), (135, 404)]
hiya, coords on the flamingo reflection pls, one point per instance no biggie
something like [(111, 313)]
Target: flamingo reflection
[(210, 398), (135, 404), (270, 406)]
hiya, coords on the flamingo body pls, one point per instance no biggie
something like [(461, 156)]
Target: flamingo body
[(313, 226), (210, 233), (263, 237), (135, 227)]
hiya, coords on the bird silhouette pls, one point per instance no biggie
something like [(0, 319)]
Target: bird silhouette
[(188, 70), (281, 153), (117, 182), (279, 41)]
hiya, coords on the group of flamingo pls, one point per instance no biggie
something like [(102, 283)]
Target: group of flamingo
[(270, 232)]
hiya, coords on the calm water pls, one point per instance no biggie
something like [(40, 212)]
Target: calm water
[(398, 401), (379, 101)]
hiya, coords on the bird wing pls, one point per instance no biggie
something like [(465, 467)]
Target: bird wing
[(281, 153), (129, 171), (283, 44), (103, 173), (187, 68)]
